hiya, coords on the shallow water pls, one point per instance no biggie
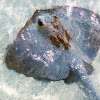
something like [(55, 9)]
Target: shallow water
[(14, 86)]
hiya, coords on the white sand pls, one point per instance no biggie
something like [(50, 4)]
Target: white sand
[(14, 86)]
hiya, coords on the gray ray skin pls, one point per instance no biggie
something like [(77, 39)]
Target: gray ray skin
[(83, 26), (33, 54)]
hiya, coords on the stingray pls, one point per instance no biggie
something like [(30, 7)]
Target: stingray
[(58, 44)]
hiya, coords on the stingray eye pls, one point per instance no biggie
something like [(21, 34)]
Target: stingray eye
[(40, 23), (55, 16)]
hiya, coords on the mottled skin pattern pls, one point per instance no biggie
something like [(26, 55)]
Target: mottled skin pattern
[(57, 34), (56, 44)]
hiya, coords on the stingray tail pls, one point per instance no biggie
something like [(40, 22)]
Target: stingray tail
[(85, 83), (86, 86)]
